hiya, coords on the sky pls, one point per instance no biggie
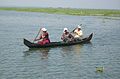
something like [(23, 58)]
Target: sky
[(89, 4)]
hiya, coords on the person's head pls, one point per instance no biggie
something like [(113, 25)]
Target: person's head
[(65, 30), (44, 29), (79, 27)]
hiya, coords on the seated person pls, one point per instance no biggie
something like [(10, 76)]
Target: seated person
[(44, 37), (78, 34), (66, 36)]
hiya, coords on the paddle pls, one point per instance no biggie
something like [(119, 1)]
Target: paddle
[(76, 28), (37, 35)]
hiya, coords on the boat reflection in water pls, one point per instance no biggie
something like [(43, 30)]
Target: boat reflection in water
[(77, 48), (43, 52), (71, 49)]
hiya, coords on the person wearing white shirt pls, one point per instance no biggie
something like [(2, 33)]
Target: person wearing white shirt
[(78, 34)]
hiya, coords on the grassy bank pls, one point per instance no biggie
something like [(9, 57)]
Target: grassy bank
[(68, 11)]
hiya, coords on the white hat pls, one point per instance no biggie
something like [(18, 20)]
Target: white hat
[(79, 26), (44, 29), (65, 29)]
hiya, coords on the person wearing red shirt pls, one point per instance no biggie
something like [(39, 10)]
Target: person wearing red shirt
[(44, 37)]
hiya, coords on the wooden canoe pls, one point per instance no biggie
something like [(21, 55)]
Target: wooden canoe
[(55, 44)]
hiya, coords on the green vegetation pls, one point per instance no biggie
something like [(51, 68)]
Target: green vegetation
[(82, 12)]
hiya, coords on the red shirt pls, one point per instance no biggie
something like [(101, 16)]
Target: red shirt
[(44, 36)]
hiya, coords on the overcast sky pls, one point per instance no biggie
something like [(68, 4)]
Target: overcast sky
[(94, 4)]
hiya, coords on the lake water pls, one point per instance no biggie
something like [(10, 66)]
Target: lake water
[(69, 62)]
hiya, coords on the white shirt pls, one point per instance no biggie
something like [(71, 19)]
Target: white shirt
[(78, 33)]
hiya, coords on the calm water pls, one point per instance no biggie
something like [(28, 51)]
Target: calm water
[(71, 62)]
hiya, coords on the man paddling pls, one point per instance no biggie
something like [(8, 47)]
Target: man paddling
[(78, 34), (44, 37), (66, 36)]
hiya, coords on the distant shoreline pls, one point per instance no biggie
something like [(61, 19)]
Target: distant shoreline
[(68, 11)]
